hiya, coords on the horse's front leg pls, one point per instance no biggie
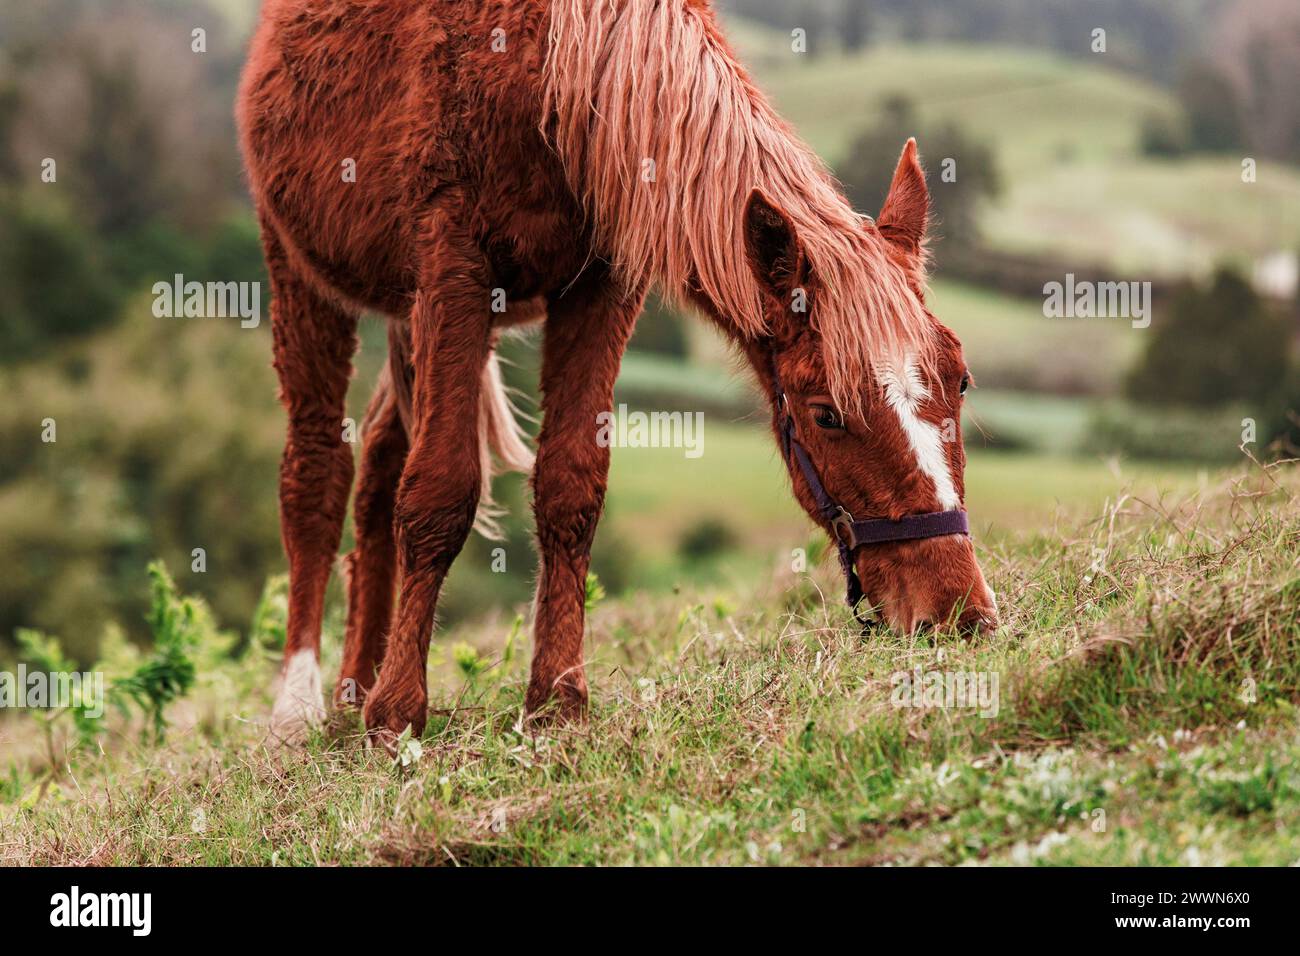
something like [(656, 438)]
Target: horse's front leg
[(586, 332), (439, 489), (313, 339)]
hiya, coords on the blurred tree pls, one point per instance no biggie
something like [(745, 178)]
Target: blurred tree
[(140, 125), (855, 24), (812, 18), (1213, 346), (53, 281), (1147, 35), (1283, 426), (706, 539), (234, 251), (10, 102), (1213, 110), (167, 437), (1165, 134), (954, 201), (139, 130), (785, 15), (915, 26), (1257, 49)]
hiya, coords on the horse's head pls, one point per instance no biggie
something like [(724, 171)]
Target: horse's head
[(886, 445)]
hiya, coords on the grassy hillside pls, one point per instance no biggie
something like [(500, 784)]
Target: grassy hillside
[(1147, 669), (1066, 134), (1009, 344), (1012, 96)]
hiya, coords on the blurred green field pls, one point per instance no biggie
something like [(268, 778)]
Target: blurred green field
[(1009, 344), (659, 496), (1025, 421)]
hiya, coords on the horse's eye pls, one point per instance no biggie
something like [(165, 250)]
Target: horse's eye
[(827, 417), (965, 383)]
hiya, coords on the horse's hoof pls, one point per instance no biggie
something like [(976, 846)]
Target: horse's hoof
[(300, 704), (387, 717), (552, 705), (382, 739)]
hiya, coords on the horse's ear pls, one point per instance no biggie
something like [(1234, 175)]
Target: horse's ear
[(903, 217), (773, 247)]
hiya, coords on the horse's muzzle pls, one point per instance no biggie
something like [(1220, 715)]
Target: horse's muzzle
[(935, 583)]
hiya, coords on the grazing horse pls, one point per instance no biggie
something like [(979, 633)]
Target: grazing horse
[(461, 166)]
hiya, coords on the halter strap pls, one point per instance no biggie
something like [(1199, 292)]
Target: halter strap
[(850, 533)]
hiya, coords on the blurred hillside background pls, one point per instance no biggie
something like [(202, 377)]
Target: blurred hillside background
[(1123, 165)]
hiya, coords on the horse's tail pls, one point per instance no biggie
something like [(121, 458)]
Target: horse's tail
[(499, 434), (499, 431)]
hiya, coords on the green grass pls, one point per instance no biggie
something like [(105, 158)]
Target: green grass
[(1025, 420), (1148, 667), (658, 381)]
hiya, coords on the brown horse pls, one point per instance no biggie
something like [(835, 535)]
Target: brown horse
[(433, 161)]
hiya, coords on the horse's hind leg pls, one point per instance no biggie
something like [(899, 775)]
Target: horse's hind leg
[(314, 340), (586, 333), (372, 565), (440, 486)]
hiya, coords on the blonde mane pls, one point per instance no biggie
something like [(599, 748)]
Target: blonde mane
[(664, 137)]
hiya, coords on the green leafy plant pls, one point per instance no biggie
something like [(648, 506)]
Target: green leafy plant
[(470, 662), (409, 749), (595, 592), (508, 653), (167, 674), (45, 654), (271, 616)]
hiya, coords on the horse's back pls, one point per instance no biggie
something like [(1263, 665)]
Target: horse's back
[(342, 115), (357, 119)]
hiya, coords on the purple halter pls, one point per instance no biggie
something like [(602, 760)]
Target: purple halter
[(850, 533)]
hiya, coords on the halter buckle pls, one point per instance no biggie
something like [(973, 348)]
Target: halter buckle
[(844, 522)]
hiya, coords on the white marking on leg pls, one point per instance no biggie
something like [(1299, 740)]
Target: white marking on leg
[(905, 393), (300, 702)]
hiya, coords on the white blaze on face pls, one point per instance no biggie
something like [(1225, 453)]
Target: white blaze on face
[(906, 393)]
